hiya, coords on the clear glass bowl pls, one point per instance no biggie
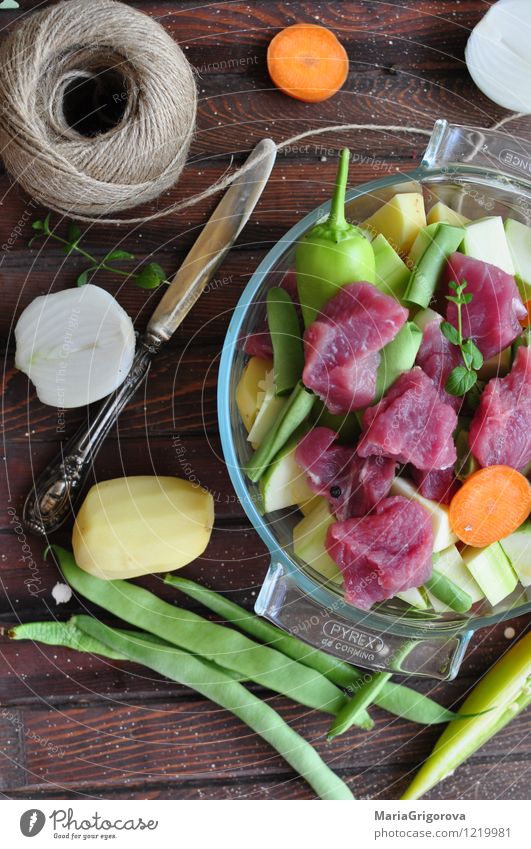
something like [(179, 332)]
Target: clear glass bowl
[(474, 171)]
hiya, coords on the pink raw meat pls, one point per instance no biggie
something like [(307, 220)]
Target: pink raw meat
[(384, 553), (341, 347), (352, 485), (500, 432), (436, 484), (491, 318), (259, 345), (411, 425), (437, 357)]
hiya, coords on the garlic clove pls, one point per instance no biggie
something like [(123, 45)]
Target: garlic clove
[(76, 346)]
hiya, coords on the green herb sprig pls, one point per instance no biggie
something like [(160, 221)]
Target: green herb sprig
[(151, 276), (462, 378)]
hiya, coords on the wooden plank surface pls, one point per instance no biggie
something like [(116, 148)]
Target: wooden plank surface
[(78, 727)]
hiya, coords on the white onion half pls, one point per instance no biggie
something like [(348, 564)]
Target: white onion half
[(498, 54), (76, 346)]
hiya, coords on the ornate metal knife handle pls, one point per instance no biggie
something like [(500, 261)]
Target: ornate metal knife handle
[(54, 493)]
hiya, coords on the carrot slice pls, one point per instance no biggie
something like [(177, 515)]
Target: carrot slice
[(491, 504), (526, 321), (307, 62)]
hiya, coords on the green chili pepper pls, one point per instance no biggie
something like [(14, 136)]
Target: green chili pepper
[(293, 414), (365, 694), (500, 696), (215, 685), (186, 630), (332, 254), (288, 353), (394, 698)]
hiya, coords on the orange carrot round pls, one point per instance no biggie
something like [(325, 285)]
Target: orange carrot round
[(307, 62), (491, 504), (526, 321)]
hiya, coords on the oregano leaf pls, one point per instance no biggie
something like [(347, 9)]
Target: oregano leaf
[(151, 276), (450, 332), (73, 232), (460, 381), (472, 350), (119, 254)]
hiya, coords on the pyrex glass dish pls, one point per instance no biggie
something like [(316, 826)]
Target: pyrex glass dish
[(477, 172)]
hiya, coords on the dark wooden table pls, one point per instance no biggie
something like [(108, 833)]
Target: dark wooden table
[(72, 727)]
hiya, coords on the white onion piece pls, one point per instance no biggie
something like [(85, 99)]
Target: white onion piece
[(76, 346), (498, 54)]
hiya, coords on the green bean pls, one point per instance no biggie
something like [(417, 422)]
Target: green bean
[(448, 592), (288, 353), (228, 648), (65, 634), (394, 698), (68, 635), (216, 686), (338, 672), (272, 636), (294, 413), (360, 701), (409, 704)]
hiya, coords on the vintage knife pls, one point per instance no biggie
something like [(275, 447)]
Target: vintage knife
[(51, 500)]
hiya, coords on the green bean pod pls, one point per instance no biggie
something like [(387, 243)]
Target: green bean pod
[(65, 634), (288, 353), (335, 670), (394, 698), (68, 635), (293, 414), (186, 630), (448, 592), (500, 696), (215, 685), (360, 701)]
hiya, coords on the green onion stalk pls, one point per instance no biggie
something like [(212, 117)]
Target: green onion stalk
[(499, 697)]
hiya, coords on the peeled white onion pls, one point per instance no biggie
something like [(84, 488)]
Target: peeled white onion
[(498, 54), (76, 346)]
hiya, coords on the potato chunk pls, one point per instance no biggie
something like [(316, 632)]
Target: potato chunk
[(399, 220), (248, 394), (141, 525)]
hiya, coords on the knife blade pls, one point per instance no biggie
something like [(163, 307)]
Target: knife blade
[(53, 495)]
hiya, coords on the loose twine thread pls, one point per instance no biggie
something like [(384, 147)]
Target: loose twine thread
[(144, 152)]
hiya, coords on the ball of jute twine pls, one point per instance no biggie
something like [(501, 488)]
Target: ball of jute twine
[(142, 155)]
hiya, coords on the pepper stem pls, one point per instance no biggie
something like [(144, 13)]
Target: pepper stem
[(337, 210)]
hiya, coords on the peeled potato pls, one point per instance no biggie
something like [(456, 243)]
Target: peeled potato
[(248, 389), (140, 525), (399, 220)]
